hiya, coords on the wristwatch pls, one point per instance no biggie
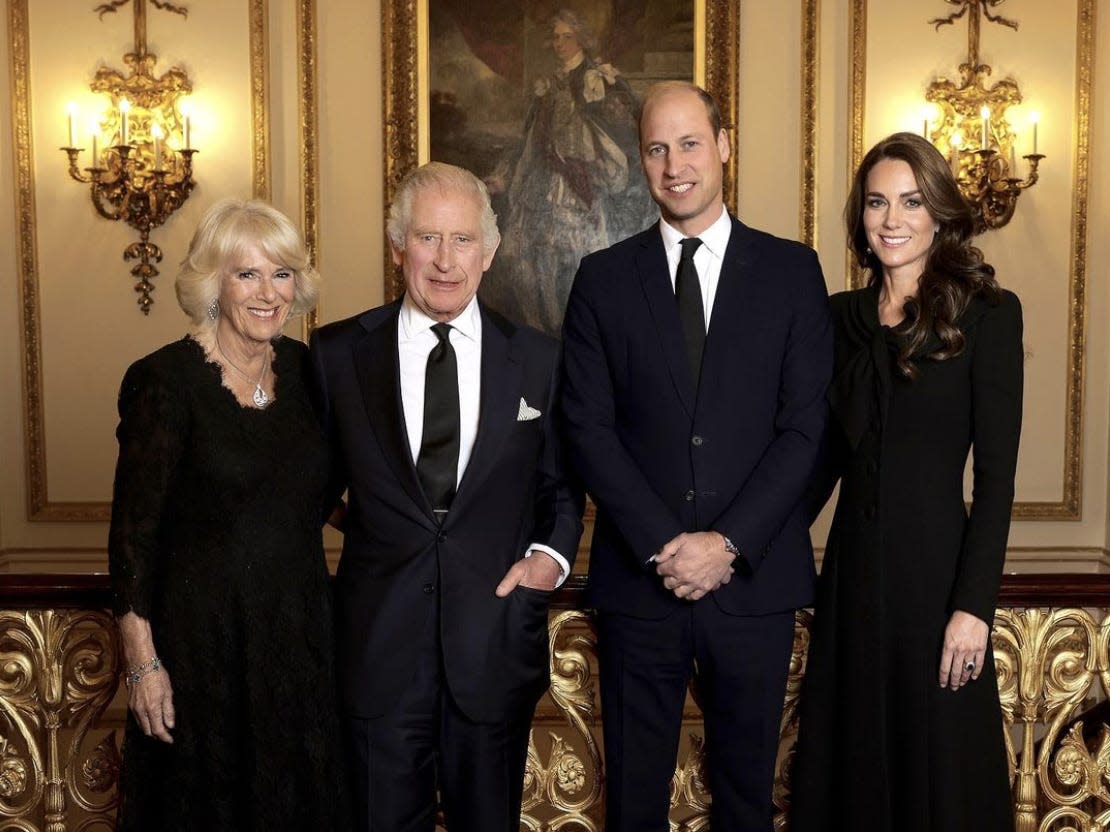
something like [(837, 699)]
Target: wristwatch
[(731, 548)]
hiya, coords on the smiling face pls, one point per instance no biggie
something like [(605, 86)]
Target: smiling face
[(256, 295), (682, 160), (899, 228), (564, 41), (442, 260)]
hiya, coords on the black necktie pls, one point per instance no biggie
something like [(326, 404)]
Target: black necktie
[(687, 289), (438, 462)]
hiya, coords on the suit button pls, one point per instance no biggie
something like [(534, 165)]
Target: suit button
[(441, 537), (429, 589), (688, 496), (872, 468), (697, 441)]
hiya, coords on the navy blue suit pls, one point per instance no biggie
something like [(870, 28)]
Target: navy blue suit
[(415, 598), (661, 454)]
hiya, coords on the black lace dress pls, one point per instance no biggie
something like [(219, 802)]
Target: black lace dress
[(215, 539)]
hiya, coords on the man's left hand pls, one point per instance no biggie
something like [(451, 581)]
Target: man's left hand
[(694, 563), (539, 571)]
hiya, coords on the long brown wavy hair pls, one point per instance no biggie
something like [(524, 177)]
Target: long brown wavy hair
[(954, 269)]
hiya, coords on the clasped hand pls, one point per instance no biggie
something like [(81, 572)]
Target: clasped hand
[(694, 564)]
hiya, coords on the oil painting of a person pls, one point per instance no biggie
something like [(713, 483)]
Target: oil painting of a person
[(573, 184)]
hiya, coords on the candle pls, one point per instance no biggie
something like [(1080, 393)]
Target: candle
[(94, 153), (124, 109), (186, 108), (1034, 117), (1013, 162), (156, 133), (71, 112), (984, 142), (955, 142)]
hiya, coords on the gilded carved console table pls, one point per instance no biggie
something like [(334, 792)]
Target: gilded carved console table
[(61, 711)]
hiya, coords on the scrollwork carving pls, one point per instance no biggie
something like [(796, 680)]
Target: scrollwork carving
[(568, 788), (58, 672)]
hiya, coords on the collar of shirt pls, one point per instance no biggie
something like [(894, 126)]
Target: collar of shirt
[(707, 259), (574, 62), (714, 240), (414, 323), (415, 341)]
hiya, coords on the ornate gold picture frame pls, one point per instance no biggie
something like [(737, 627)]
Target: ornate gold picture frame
[(509, 46)]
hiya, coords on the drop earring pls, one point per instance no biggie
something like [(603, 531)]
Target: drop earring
[(214, 310)]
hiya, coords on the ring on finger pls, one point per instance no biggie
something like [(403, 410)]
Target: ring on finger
[(970, 666)]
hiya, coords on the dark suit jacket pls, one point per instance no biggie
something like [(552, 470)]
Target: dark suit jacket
[(735, 455), (398, 564)]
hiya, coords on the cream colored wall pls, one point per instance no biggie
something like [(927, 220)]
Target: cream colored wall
[(91, 328)]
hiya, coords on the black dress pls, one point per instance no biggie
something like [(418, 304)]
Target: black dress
[(215, 539), (881, 745)]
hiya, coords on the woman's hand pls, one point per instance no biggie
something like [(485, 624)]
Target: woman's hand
[(151, 701), (150, 698), (965, 645)]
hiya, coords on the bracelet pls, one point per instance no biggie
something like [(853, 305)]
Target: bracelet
[(135, 673)]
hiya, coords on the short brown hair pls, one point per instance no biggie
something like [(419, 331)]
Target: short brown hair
[(665, 87)]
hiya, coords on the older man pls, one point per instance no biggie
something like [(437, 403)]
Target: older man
[(696, 357), (459, 523)]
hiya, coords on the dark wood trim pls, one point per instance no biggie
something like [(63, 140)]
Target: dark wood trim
[(1051, 590), (22, 591), (94, 591)]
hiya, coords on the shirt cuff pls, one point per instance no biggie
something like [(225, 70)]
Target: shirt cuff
[(564, 567)]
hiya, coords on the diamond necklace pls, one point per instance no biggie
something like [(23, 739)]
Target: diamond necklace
[(260, 398)]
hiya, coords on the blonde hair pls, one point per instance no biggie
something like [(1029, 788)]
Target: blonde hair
[(446, 178), (224, 232)]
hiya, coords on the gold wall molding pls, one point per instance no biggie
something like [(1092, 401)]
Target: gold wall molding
[(404, 115), (39, 506), (260, 98), (1069, 507), (857, 93), (811, 31), (309, 138)]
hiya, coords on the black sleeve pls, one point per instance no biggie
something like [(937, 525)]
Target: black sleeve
[(152, 434), (996, 395)]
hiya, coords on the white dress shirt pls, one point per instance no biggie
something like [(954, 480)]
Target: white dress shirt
[(415, 340), (707, 259)]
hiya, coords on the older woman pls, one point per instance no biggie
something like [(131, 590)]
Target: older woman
[(900, 720), (218, 573)]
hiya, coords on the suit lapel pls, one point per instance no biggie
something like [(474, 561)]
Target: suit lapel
[(498, 407), (655, 279), (730, 306), (379, 377)]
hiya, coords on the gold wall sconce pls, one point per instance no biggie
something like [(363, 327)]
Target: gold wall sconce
[(968, 123), (145, 171)]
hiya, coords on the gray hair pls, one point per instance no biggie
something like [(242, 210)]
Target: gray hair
[(224, 232), (445, 178), (581, 28)]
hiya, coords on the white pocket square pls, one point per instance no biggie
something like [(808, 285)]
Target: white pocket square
[(526, 413)]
